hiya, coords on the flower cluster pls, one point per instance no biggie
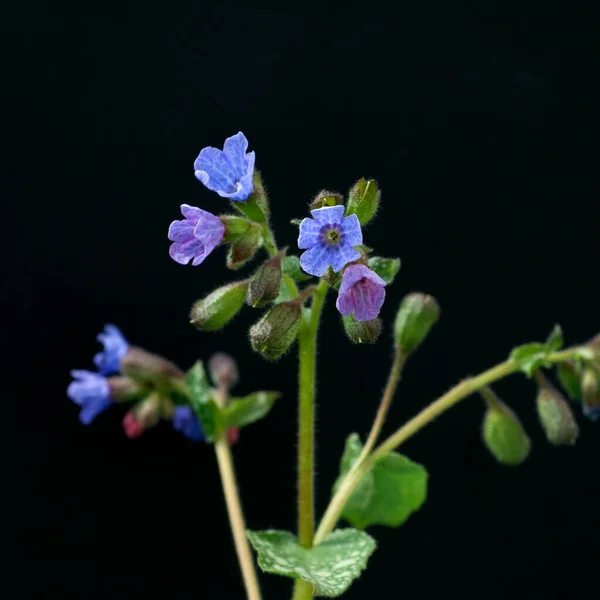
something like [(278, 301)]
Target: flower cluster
[(126, 374)]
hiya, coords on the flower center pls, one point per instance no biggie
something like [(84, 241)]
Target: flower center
[(331, 235)]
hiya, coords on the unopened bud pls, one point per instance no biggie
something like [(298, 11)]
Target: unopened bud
[(362, 332), (590, 393), (244, 248), (235, 227), (123, 389), (363, 200), (219, 307), (416, 316), (277, 329), (264, 284), (147, 367), (132, 427), (502, 431), (326, 198), (233, 435), (555, 414), (223, 370)]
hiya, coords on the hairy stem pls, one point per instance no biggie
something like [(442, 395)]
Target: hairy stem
[(307, 347), (234, 510), (428, 414)]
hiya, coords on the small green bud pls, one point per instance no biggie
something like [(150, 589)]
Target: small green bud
[(124, 389), (555, 415), (363, 200), (264, 284), (143, 366), (235, 227), (326, 198), (223, 370), (362, 332), (277, 329), (244, 248), (502, 431), (219, 307), (416, 316), (149, 411)]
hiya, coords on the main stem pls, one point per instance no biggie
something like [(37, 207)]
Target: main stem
[(428, 414), (234, 509), (307, 348)]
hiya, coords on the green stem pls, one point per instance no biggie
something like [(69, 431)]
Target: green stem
[(307, 345), (269, 240), (428, 414), (234, 508)]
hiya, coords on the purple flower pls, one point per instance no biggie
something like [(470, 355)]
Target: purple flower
[(186, 421), (91, 392), (329, 240), (115, 348), (196, 236), (361, 292), (229, 171)]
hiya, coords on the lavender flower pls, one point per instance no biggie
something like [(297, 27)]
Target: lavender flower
[(329, 239), (229, 171), (90, 391), (195, 237), (115, 348), (186, 421), (361, 292)]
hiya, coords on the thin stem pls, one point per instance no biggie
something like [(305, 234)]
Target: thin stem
[(307, 346), (269, 240), (428, 414), (234, 509)]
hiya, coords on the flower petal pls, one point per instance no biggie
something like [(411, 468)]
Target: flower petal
[(344, 304), (352, 231), (368, 300), (181, 231), (316, 260), (328, 215), (183, 253), (342, 255), (308, 234)]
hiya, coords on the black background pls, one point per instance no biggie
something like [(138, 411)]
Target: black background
[(478, 122)]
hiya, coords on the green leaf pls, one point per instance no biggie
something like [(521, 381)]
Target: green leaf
[(243, 411), (287, 289), (531, 357), (394, 489), (569, 375), (386, 268), (330, 566), (291, 267), (206, 409)]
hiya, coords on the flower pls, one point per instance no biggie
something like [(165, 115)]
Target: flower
[(132, 427), (91, 391), (329, 239), (591, 412), (229, 171), (115, 348), (186, 421), (196, 236), (361, 291)]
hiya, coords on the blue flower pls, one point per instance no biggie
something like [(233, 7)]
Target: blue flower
[(186, 421), (329, 240), (229, 171), (91, 391), (361, 292), (195, 237), (591, 412), (115, 348)]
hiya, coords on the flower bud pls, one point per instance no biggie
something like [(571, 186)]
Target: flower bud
[(147, 367), (326, 198), (223, 370), (123, 389), (555, 415), (590, 393), (363, 200), (244, 248), (417, 314), (235, 227), (264, 284), (233, 435), (219, 307), (502, 431), (277, 329), (362, 332)]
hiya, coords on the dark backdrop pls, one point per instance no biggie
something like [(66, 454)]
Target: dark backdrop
[(478, 122)]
